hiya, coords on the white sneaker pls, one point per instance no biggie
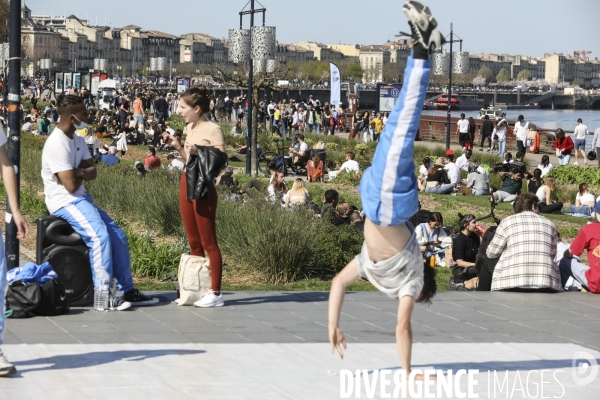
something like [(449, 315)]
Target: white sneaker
[(6, 368), (575, 163), (210, 299)]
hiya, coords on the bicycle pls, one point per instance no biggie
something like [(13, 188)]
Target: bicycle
[(282, 154)]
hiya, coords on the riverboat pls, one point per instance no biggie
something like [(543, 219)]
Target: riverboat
[(459, 102)]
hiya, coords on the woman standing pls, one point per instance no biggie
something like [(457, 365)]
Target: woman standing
[(366, 126), (199, 215), (563, 145), (543, 193)]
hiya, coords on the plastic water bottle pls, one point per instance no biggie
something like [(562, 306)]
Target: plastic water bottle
[(101, 292)]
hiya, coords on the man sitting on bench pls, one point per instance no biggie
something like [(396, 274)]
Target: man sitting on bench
[(66, 163)]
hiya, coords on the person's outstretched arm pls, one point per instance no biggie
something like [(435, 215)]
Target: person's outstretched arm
[(336, 300)]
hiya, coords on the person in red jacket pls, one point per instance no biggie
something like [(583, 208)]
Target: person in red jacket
[(563, 145), (587, 239)]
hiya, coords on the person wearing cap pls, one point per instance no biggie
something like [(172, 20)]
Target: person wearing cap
[(174, 163), (151, 162), (437, 179), (110, 158), (451, 168), (588, 239)]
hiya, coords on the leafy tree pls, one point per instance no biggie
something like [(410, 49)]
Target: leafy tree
[(4, 15), (486, 73), (524, 75), (355, 72), (503, 75)]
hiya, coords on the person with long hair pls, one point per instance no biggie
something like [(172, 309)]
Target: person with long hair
[(277, 189), (564, 146), (437, 179), (297, 195), (546, 206), (430, 233), (535, 182), (314, 169), (390, 257), (199, 215), (545, 165), (584, 202)]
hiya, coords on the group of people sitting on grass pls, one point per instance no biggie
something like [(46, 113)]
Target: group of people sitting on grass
[(523, 253)]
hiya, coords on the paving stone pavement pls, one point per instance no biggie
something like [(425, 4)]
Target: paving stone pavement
[(273, 345), (301, 317)]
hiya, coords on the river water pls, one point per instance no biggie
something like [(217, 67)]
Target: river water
[(548, 120)]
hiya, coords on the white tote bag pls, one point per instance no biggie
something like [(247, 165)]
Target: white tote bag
[(193, 278)]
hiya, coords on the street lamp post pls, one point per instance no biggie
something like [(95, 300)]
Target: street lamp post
[(450, 85)]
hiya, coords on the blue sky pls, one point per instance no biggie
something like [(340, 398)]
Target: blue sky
[(526, 27)]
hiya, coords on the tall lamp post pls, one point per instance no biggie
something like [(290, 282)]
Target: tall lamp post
[(257, 43), (450, 84)]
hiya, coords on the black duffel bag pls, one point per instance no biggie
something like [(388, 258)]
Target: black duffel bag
[(22, 298), (27, 300)]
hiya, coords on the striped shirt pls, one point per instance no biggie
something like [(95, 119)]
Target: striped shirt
[(526, 245)]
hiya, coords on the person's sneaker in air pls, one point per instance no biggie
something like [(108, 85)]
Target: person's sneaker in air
[(6, 368), (210, 299), (116, 303), (137, 298), (422, 25)]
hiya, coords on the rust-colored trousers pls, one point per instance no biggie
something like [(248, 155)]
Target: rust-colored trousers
[(199, 223)]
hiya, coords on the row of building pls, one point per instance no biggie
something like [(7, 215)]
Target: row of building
[(72, 44)]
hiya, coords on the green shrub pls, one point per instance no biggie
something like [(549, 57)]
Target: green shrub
[(576, 175), (347, 178), (282, 246), (152, 201)]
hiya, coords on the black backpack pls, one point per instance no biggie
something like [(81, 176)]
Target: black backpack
[(53, 299)]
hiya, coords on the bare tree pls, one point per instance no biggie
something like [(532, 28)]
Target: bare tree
[(238, 77)]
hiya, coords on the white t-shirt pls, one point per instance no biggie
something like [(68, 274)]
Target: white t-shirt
[(423, 171), (586, 198), (350, 165), (453, 172), (303, 147), (545, 170), (175, 164), (501, 132), (521, 130), (463, 125), (61, 154), (27, 126), (580, 131), (462, 162)]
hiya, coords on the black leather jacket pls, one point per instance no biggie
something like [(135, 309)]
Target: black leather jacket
[(202, 169)]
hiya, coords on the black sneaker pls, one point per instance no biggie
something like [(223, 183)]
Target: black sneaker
[(116, 303), (137, 298), (422, 25)]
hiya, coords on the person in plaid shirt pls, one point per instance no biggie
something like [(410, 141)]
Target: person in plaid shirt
[(526, 245)]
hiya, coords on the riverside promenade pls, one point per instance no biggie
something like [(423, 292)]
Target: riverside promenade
[(273, 345)]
